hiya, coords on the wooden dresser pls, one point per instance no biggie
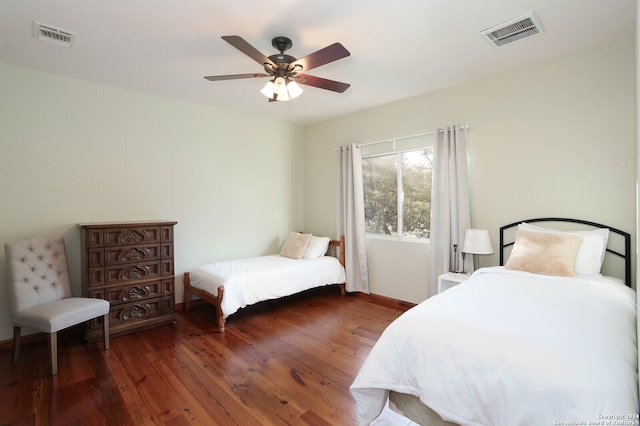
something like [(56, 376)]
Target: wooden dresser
[(129, 264)]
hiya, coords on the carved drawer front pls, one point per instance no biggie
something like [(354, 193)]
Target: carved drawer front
[(167, 304), (135, 311), (167, 267), (95, 276), (167, 287), (130, 236), (166, 250), (95, 257), (132, 271), (130, 254), (134, 292), (166, 233), (94, 238)]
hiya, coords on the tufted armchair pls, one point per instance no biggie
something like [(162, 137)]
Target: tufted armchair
[(40, 293)]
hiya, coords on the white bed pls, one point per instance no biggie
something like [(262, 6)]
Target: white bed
[(232, 285), (510, 347)]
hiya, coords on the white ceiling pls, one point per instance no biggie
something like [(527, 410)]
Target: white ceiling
[(398, 49)]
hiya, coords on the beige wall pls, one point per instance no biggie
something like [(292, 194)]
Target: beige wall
[(555, 138), (72, 151)]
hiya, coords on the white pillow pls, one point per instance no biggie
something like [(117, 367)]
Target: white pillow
[(317, 247), (591, 254)]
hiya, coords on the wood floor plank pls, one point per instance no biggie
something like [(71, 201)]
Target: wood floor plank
[(284, 362), (215, 395)]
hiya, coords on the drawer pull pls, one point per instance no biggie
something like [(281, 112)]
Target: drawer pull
[(134, 236), (134, 254), (136, 272), (135, 311), (137, 292)]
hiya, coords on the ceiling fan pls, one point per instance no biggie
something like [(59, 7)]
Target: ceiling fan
[(285, 69)]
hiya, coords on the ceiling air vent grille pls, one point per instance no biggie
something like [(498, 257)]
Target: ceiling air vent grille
[(515, 29), (52, 34)]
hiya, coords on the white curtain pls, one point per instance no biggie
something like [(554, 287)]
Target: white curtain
[(350, 217), (450, 211)]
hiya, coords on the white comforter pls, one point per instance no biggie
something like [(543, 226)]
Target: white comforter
[(511, 348), (252, 280)]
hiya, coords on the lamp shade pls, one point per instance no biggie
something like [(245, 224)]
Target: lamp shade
[(477, 241), (267, 90), (294, 89)]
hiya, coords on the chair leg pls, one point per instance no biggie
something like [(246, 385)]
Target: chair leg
[(16, 343), (53, 352), (105, 330)]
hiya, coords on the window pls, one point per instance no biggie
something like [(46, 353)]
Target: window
[(397, 193)]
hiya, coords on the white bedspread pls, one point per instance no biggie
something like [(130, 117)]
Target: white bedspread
[(252, 280), (511, 348)]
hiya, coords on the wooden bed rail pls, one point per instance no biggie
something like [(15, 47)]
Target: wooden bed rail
[(214, 300), (337, 245)]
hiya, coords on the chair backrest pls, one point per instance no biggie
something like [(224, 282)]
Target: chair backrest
[(37, 272)]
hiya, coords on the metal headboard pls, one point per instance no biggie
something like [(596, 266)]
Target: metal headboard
[(627, 240)]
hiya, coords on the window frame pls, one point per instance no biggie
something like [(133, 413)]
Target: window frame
[(400, 197)]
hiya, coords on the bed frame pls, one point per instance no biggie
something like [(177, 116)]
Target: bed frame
[(336, 249), (624, 240)]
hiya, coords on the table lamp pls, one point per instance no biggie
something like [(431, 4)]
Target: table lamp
[(476, 241)]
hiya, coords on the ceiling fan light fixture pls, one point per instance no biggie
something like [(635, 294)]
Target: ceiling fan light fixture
[(267, 90), (294, 89), (281, 89)]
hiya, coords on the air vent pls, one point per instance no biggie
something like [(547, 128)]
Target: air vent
[(513, 30), (52, 34)]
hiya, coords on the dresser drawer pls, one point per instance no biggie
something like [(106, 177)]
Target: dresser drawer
[(135, 311), (132, 271), (130, 254), (130, 236), (168, 304), (95, 277), (166, 233), (133, 292)]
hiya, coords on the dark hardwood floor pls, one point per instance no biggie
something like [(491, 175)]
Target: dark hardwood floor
[(285, 362)]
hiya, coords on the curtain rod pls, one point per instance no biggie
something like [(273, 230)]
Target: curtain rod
[(462, 127)]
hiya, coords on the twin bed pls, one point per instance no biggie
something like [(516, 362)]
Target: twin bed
[(547, 339), (300, 266)]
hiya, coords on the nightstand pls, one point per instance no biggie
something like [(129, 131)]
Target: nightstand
[(450, 279)]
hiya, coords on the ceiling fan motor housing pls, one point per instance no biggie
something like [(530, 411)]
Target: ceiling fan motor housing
[(281, 43), (282, 60)]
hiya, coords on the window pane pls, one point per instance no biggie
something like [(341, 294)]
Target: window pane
[(416, 184), (379, 175)]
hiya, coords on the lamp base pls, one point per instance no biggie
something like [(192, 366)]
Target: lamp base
[(455, 258)]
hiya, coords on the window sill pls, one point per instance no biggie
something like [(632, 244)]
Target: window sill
[(398, 239)]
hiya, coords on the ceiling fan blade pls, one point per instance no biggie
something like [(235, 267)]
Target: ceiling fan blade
[(322, 83), (235, 76), (323, 56), (243, 46)]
